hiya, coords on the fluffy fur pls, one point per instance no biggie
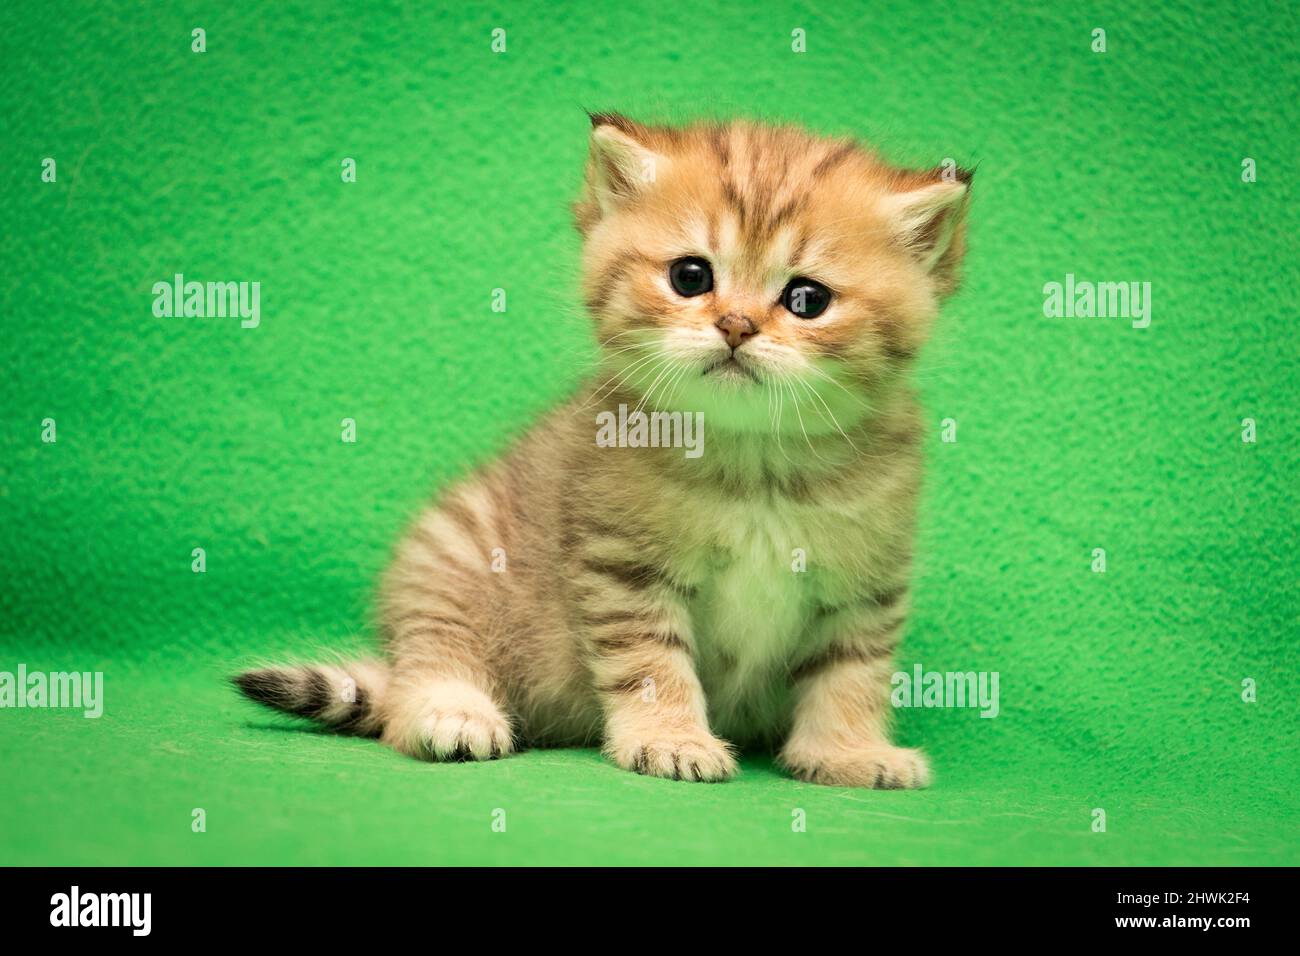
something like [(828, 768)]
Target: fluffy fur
[(572, 593)]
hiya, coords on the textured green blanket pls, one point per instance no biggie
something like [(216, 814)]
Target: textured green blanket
[(1161, 692)]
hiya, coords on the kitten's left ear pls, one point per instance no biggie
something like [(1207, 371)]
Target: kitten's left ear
[(928, 220), (623, 165)]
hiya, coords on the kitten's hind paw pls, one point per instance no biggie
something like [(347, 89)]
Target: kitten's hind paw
[(450, 720), (696, 757), (877, 766)]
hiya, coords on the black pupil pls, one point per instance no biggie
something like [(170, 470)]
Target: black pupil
[(806, 298), (691, 276)]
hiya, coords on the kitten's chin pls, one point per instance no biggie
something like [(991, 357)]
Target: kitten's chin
[(731, 398), (730, 371), (742, 398)]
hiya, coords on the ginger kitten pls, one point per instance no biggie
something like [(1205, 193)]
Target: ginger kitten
[(671, 606)]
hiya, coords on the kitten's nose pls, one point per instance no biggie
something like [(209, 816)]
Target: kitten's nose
[(736, 328)]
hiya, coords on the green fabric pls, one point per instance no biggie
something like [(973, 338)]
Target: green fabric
[(1119, 690)]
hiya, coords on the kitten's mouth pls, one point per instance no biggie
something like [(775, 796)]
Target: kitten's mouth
[(730, 367)]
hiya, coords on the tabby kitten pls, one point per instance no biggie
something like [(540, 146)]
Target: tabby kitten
[(675, 607)]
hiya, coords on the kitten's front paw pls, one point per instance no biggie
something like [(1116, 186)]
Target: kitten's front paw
[(878, 766), (700, 757)]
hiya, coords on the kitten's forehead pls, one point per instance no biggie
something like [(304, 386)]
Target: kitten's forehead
[(762, 202), (767, 259)]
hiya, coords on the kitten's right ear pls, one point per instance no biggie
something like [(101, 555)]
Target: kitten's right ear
[(622, 166)]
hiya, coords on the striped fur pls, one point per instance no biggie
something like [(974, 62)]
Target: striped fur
[(571, 593), (344, 697)]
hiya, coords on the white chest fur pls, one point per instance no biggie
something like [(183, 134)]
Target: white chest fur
[(750, 611)]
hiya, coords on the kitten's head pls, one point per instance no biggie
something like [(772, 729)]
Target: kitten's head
[(731, 265)]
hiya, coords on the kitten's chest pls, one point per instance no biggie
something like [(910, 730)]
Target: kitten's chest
[(754, 586), (753, 597)]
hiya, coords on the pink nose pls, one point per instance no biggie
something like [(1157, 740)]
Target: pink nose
[(736, 328)]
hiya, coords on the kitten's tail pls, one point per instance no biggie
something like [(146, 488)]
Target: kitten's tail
[(345, 697)]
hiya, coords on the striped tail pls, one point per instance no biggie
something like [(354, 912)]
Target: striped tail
[(345, 697)]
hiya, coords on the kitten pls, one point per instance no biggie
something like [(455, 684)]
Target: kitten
[(671, 606)]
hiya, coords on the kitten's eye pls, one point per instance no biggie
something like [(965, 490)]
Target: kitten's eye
[(691, 276), (806, 298)]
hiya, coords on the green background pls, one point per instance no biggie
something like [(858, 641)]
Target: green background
[(1119, 691)]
